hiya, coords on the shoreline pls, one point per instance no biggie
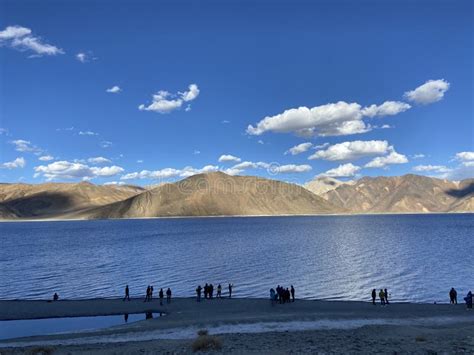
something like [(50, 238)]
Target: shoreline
[(246, 325), (237, 216)]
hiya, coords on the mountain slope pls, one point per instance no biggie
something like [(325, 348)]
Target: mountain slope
[(321, 185), (217, 194), (55, 199), (404, 194)]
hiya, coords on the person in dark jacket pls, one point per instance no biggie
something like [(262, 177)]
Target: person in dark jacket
[(374, 296), (198, 293), (386, 296), (453, 296), (127, 294), (468, 300), (168, 295), (292, 290), (231, 286), (161, 294)]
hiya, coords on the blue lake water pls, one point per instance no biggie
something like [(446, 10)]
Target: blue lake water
[(417, 257)]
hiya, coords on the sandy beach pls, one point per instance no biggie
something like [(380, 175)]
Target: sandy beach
[(252, 326)]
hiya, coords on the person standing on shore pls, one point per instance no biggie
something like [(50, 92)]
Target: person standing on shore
[(230, 290), (272, 296), (382, 297), (292, 290), (374, 296), (206, 290), (147, 297), (198, 293), (161, 294), (168, 295), (55, 297), (127, 294), (219, 291), (151, 293), (211, 291), (386, 296), (468, 300), (453, 296)]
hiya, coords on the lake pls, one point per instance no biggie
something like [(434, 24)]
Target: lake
[(417, 257)]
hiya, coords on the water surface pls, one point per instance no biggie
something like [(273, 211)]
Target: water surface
[(417, 257)]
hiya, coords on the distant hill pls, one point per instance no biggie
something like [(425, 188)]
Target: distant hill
[(51, 200), (321, 185), (403, 194), (217, 194)]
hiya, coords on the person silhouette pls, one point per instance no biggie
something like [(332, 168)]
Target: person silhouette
[(231, 286), (55, 297), (292, 290), (198, 293), (161, 296), (127, 294), (147, 297), (453, 296), (206, 290), (219, 291), (211, 291), (382, 297), (374, 296), (386, 296), (168, 295), (272, 296), (125, 317), (468, 300)]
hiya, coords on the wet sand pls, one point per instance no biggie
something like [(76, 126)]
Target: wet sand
[(252, 326)]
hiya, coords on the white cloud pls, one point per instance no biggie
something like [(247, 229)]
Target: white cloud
[(432, 169), (466, 158), (114, 89), (225, 121), (71, 170), (260, 141), (352, 150), (228, 157), (392, 158), (418, 156), (169, 173), (88, 133), (22, 145), (3, 131), (165, 102), (106, 144), (321, 146), (139, 161), (46, 158), (17, 163), (388, 108), (114, 183), (82, 57), (300, 148), (429, 92), (99, 160), (333, 119), (292, 168), (196, 152), (21, 38), (344, 170)]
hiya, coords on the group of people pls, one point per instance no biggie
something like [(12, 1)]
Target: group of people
[(453, 297), (149, 294), (282, 295), (208, 291), (383, 296)]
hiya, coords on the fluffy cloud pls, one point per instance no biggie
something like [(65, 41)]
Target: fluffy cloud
[(82, 57), (344, 170), (106, 144), (388, 108), (228, 157), (169, 173), (272, 168), (22, 145), (165, 102), (418, 156), (333, 119), (429, 92), (467, 158), (352, 150), (300, 148), (88, 133), (432, 169), (46, 158), (99, 160), (292, 168), (392, 158), (73, 170), (21, 38), (17, 163), (114, 89)]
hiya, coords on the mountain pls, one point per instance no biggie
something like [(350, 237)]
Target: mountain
[(403, 194), (322, 184), (217, 194), (53, 200)]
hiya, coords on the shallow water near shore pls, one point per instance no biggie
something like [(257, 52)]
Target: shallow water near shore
[(417, 257)]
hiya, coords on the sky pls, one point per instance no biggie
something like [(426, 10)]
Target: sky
[(140, 92)]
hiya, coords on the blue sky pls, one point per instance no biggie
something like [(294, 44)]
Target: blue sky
[(144, 91)]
